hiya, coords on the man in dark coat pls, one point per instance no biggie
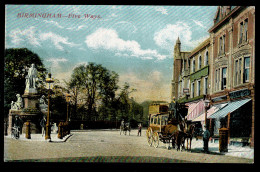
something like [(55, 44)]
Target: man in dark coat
[(206, 136)]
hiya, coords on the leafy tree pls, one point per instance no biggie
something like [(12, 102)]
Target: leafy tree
[(17, 62), (98, 85)]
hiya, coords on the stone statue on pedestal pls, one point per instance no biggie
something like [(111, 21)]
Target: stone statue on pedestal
[(31, 79), (42, 104), (18, 104)]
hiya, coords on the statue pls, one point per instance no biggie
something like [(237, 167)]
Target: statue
[(18, 104), (31, 77), (42, 103), (42, 100)]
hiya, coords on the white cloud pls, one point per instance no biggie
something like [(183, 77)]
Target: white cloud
[(162, 10), (55, 61), (77, 28), (108, 39), (54, 23), (57, 40), (19, 37), (198, 23), (166, 37)]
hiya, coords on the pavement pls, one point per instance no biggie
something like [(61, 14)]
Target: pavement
[(93, 144), (233, 150), (40, 138)]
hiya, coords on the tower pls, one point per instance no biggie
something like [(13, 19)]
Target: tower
[(176, 68)]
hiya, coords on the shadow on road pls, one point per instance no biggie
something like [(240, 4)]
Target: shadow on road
[(200, 150)]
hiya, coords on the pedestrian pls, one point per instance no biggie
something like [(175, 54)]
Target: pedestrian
[(43, 125), (139, 129), (206, 136)]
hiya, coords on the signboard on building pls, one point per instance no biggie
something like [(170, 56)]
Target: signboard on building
[(186, 91), (239, 93)]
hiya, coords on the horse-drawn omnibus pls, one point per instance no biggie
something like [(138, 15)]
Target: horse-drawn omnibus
[(158, 119), (166, 128)]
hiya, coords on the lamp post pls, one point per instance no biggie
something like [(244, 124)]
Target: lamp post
[(206, 104), (68, 96), (49, 80)]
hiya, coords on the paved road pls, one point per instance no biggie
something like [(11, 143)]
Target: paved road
[(109, 144)]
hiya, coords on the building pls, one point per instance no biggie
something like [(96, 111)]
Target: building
[(191, 77), (181, 71), (233, 69), (222, 70)]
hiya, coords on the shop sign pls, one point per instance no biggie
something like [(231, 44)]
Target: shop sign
[(185, 91), (219, 98), (239, 93)]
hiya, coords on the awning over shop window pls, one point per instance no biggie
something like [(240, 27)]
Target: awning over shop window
[(195, 110), (211, 111), (231, 107)]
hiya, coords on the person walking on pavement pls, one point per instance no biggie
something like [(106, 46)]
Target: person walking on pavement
[(43, 125), (206, 136), (139, 129)]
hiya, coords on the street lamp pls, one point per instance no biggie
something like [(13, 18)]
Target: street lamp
[(68, 96), (49, 80), (206, 104)]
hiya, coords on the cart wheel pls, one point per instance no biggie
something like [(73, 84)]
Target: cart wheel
[(155, 139), (149, 135)]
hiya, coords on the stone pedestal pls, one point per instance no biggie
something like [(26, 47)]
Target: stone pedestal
[(30, 100)]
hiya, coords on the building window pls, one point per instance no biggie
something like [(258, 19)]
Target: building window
[(243, 34), (192, 90), (206, 61), (193, 65), (222, 45), (206, 86), (198, 88), (239, 71), (246, 69), (224, 78), (245, 30), (199, 62), (236, 72), (216, 80)]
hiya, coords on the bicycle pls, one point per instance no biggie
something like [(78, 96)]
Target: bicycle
[(15, 133)]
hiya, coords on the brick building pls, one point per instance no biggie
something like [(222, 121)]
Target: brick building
[(221, 69)]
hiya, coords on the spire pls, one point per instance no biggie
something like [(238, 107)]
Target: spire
[(178, 41)]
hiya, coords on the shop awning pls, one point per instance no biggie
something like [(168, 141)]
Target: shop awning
[(195, 110), (231, 107), (211, 111)]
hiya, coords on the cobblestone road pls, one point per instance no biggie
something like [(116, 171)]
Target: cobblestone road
[(105, 143)]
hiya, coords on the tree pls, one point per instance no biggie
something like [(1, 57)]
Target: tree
[(98, 85), (17, 62)]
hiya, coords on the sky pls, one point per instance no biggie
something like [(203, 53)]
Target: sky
[(136, 42)]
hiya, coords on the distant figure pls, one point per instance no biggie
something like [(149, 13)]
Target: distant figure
[(139, 129), (206, 136), (43, 125), (123, 123)]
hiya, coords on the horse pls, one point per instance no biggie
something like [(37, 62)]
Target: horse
[(176, 133), (125, 127), (189, 133), (180, 136)]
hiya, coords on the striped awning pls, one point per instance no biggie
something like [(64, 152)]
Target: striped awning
[(195, 110), (211, 111), (231, 107)]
